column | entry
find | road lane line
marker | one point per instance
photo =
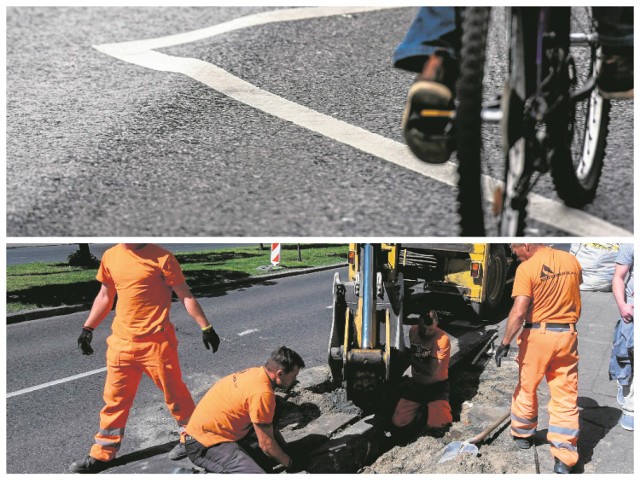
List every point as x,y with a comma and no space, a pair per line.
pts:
56,382
542,209
247,332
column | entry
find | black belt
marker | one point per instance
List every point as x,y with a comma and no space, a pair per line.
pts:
552,326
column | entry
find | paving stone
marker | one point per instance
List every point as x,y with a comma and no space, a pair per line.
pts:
324,426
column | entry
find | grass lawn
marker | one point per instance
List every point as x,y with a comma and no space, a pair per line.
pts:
38,285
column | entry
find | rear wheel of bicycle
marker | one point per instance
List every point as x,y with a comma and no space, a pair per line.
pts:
475,25
578,134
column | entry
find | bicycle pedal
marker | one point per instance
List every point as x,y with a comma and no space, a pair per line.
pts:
436,113
496,207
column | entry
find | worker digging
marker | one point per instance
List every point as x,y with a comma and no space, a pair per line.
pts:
422,375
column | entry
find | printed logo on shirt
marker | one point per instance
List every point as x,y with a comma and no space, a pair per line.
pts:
546,273
418,351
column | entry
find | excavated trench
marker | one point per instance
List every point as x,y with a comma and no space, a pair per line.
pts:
318,421
342,440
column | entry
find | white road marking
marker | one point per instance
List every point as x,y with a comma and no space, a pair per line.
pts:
247,332
545,210
55,382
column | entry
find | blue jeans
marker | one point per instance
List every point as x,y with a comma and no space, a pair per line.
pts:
439,28
434,28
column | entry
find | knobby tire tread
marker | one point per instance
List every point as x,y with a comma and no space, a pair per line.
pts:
475,26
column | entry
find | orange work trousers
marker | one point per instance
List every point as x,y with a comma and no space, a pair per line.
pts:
438,413
552,355
155,355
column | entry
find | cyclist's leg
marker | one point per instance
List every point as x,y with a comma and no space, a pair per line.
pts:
615,31
434,28
430,47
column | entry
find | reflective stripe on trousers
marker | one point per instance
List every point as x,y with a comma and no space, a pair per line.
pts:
554,356
127,361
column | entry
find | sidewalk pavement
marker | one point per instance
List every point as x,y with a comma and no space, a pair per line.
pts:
603,445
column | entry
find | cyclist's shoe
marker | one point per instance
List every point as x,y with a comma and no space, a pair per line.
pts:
615,80
89,465
427,122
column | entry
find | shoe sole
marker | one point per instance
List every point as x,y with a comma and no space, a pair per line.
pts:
616,95
422,95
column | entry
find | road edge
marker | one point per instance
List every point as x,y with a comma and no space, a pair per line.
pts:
38,313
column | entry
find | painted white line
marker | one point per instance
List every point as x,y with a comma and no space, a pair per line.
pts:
247,332
254,20
543,209
55,382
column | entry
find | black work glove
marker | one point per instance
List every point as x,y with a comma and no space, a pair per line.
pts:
501,352
210,337
298,464
84,340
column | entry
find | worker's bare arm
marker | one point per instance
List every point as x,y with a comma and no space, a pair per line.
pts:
102,305
191,304
269,444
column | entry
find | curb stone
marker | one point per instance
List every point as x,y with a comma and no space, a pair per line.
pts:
38,313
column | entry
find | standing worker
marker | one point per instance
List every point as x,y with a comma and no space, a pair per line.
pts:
428,387
546,293
233,409
143,341
621,367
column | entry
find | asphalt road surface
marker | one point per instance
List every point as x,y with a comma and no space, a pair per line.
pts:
280,128
51,427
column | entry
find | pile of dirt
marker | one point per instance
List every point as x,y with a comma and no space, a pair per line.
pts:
479,396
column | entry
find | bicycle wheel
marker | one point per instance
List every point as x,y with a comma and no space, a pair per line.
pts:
578,133
518,128
475,25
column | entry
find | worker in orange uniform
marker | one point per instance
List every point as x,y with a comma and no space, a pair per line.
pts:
143,342
546,293
428,385
233,409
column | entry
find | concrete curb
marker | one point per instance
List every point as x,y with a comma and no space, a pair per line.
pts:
26,315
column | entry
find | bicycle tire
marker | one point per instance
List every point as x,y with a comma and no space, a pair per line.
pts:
577,158
518,154
475,25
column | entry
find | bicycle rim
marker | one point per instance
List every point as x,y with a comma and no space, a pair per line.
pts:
578,137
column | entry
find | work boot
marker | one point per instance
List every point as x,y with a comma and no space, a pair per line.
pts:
626,422
561,467
427,121
178,452
615,80
89,465
523,442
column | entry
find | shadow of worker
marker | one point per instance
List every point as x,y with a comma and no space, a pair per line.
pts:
595,422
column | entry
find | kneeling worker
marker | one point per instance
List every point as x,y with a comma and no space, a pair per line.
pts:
429,383
235,406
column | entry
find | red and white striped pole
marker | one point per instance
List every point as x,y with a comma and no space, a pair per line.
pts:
275,254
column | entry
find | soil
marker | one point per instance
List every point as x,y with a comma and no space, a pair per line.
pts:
479,396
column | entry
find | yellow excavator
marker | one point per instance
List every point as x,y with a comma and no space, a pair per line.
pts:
389,285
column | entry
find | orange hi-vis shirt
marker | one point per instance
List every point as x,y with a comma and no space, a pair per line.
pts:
551,279
228,410
143,280
438,347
